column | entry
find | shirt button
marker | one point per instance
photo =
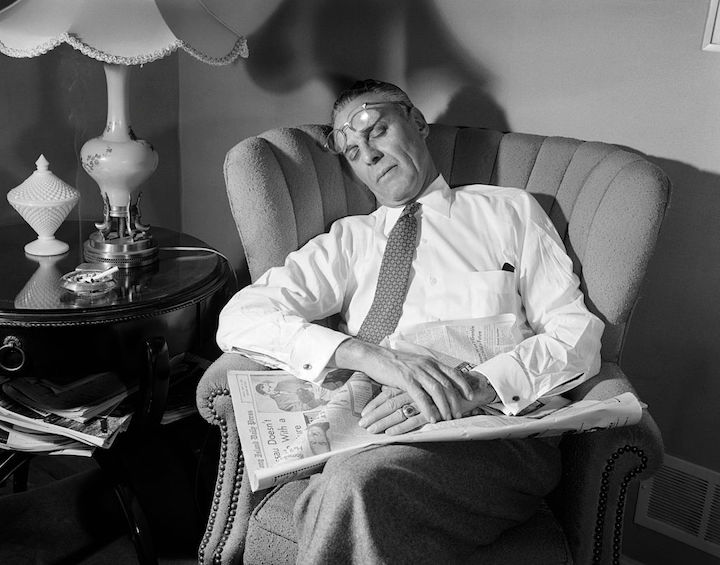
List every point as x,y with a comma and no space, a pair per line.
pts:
433,281
307,366
516,398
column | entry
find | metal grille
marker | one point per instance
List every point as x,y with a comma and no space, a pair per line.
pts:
682,501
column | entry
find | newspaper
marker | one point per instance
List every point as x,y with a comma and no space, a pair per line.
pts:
280,445
289,427
473,340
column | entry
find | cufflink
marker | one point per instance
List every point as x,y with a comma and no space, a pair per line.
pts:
307,366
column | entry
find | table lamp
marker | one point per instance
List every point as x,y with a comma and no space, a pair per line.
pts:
120,34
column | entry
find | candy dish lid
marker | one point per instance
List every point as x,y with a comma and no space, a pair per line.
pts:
42,187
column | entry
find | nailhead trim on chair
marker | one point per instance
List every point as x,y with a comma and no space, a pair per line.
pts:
602,502
222,424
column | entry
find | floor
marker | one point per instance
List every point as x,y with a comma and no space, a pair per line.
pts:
172,472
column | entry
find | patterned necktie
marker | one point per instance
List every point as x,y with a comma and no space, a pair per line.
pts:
393,279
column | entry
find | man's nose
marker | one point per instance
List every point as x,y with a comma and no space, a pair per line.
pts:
370,154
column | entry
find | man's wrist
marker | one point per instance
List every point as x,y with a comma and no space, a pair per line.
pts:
356,355
483,392
486,391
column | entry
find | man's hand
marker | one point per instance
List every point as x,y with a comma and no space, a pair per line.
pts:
437,390
384,412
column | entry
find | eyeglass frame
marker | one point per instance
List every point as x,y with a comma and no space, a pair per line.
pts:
364,106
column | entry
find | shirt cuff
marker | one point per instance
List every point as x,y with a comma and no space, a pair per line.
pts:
509,380
313,350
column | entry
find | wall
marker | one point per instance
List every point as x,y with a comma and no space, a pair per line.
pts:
629,72
54,103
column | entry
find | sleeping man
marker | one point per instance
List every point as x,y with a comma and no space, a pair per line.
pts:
427,254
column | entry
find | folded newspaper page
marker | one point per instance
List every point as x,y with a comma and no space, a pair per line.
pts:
289,427
473,340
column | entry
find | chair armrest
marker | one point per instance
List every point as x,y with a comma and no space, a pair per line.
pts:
224,538
598,467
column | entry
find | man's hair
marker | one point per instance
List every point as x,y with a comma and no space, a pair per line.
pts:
385,90
259,387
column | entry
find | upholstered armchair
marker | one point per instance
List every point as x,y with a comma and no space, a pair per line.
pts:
607,204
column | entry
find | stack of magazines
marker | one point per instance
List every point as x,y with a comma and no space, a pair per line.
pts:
39,415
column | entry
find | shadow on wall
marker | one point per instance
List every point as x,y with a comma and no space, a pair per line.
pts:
473,107
54,106
674,331
36,122
672,341
339,43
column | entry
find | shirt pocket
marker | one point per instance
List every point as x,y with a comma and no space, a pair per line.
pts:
479,294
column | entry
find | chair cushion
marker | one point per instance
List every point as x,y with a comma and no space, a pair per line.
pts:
271,535
271,538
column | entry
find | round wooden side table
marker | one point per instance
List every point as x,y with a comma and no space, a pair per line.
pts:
152,314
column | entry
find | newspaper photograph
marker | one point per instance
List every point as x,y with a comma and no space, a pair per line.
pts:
289,427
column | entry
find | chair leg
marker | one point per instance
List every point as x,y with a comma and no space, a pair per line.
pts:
135,517
133,513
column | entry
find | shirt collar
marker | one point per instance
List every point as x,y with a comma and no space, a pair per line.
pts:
437,197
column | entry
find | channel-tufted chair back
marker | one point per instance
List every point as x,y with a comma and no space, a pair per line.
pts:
606,203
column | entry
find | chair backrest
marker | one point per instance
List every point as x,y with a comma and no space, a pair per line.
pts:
606,203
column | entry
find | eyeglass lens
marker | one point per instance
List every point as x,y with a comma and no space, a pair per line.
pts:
361,120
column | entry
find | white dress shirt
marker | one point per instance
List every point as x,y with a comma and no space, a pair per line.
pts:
466,235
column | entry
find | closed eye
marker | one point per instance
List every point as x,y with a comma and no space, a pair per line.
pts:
378,130
352,152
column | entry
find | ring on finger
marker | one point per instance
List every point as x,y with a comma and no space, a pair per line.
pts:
409,410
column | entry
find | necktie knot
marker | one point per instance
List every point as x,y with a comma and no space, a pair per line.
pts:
410,209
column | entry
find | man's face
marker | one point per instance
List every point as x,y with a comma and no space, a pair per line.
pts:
268,388
391,158
318,440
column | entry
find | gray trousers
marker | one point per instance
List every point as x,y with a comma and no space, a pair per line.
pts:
421,503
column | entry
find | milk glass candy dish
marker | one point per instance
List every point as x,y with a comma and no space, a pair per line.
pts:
44,201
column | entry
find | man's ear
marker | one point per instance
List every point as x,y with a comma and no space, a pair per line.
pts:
417,118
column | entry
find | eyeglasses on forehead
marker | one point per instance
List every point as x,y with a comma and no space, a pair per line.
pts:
363,118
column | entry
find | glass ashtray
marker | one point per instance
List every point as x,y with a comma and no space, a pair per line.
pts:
89,281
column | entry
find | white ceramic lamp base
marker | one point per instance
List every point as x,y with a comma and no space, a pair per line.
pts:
119,163
45,246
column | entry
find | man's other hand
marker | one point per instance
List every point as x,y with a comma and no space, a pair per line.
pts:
437,390
384,413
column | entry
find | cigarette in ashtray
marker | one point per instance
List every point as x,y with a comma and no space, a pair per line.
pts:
93,277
